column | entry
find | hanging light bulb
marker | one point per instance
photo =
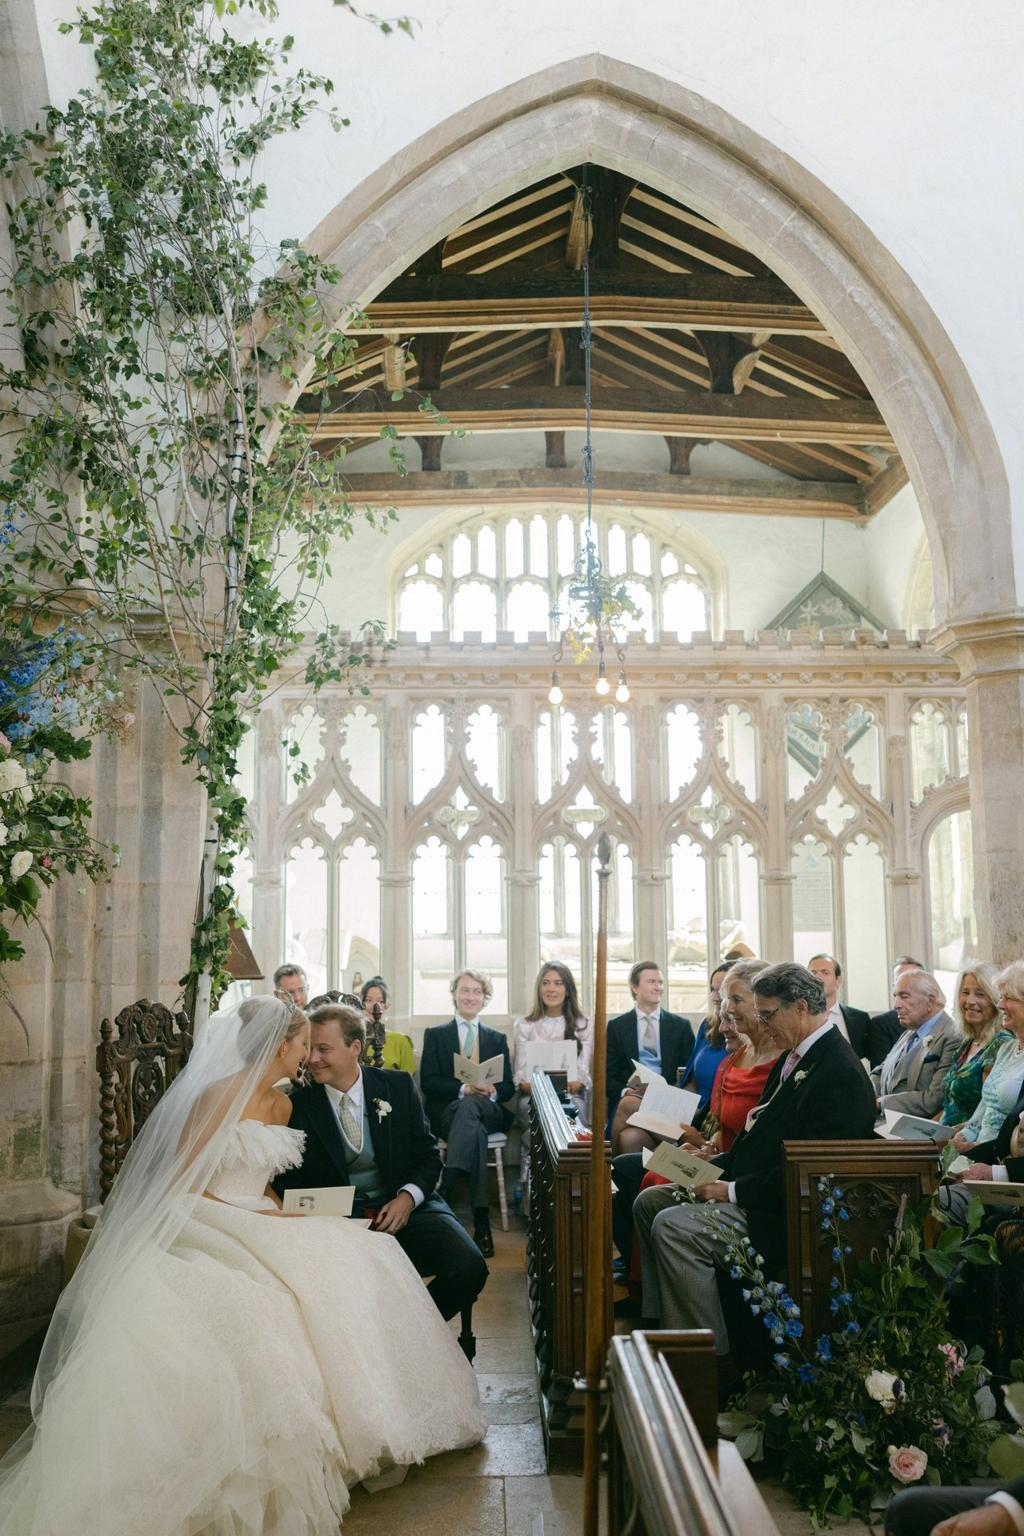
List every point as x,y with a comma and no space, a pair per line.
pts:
622,691
602,686
554,692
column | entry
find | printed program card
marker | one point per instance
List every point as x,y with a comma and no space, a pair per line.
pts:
663,1110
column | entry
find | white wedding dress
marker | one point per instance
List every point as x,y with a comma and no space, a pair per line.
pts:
259,1369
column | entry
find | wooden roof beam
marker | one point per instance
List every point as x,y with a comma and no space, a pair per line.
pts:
676,413
776,498
516,300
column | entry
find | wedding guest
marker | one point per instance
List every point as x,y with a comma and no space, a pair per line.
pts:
1002,1087
291,985
366,1127
753,1052
398,1051
460,1114
740,1080
649,1034
912,1075
957,1511
698,1075
555,1015
977,1013
889,1019
817,1090
872,1039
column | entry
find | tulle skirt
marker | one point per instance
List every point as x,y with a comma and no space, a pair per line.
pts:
240,1384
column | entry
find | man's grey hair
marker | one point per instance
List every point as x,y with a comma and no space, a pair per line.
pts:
289,969
925,982
791,983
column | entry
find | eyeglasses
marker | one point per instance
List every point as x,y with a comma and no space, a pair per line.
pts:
766,1018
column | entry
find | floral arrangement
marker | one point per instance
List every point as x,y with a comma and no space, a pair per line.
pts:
886,1399
55,696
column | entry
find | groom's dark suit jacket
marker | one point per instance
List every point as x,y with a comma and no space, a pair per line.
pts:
998,1151
405,1150
827,1097
440,1086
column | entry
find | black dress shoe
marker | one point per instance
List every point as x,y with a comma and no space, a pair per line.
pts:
484,1239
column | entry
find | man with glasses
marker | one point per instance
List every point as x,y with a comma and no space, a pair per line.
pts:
817,1090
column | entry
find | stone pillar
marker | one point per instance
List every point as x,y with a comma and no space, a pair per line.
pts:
777,875
396,867
523,880
267,937
650,902
990,654
908,923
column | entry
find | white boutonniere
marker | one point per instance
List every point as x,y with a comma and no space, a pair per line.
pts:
798,1077
382,1107
926,1042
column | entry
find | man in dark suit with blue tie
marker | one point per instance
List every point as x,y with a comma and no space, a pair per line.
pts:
461,1114
648,1033
365,1127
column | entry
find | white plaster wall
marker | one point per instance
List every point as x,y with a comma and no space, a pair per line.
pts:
910,113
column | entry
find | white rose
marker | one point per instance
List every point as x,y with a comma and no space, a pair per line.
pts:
21,864
880,1385
12,775
3,833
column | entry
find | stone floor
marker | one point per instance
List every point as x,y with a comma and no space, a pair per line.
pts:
500,1487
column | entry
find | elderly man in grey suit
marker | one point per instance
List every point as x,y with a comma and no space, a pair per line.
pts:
912,1076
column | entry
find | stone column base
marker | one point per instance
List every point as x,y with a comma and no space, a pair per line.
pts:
34,1219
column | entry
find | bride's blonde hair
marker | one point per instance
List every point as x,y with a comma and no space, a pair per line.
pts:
258,1009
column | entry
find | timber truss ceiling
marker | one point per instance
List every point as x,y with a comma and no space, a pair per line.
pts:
695,340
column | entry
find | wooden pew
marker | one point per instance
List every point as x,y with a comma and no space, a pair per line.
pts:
557,1240
876,1177
668,1473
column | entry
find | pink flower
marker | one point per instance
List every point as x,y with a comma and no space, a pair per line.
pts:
954,1359
46,861
907,1463
4,742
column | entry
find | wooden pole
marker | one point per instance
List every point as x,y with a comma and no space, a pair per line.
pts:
597,1235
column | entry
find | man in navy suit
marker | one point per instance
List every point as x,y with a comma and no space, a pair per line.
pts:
647,1033
365,1127
459,1114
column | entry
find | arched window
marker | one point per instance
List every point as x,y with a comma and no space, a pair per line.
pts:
508,573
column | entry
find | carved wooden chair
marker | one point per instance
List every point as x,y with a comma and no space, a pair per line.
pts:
138,1057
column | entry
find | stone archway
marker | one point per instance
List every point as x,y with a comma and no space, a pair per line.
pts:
598,109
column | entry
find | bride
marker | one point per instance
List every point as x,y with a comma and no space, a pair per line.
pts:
213,1367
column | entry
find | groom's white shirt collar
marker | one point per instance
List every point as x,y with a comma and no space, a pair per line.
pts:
356,1096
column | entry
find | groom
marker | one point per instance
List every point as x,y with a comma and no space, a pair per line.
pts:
365,1127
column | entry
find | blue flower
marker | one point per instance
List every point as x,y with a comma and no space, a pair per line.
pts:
807,1373
794,1328
834,1282
826,1224
853,1327
734,1273
837,1254
826,1207
844,1213
782,1361
837,1193
823,1348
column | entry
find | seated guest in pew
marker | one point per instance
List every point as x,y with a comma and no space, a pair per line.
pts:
388,1154
912,1076
889,1019
871,1038
817,1090
1001,1160
291,985
739,1084
649,1034
698,1075
398,1052
957,1511
976,1011
459,1114
555,1015
1002,1086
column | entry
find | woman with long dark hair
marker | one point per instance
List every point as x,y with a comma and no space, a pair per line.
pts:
555,1015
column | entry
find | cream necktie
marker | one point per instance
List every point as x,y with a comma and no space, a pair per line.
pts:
649,1039
469,1041
350,1125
